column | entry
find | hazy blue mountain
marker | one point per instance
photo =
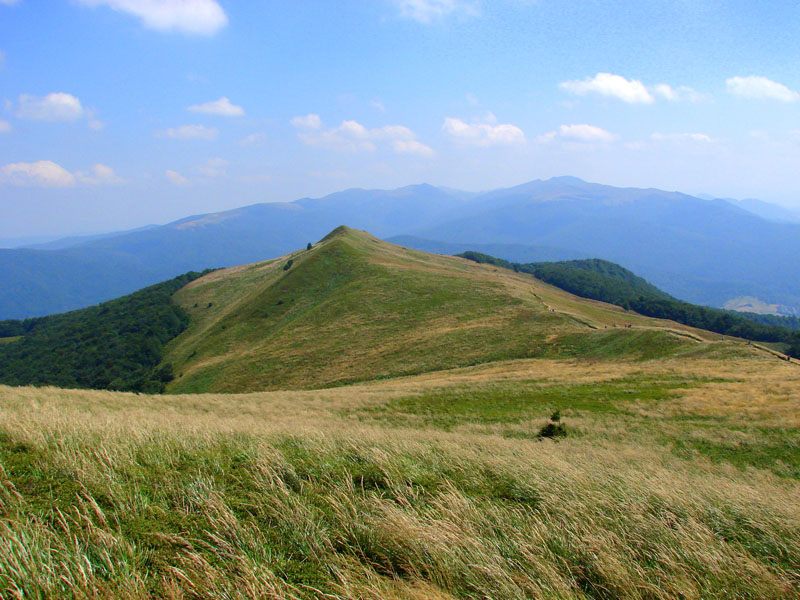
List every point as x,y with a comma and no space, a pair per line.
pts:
77,240
766,210
703,251
36,282
510,252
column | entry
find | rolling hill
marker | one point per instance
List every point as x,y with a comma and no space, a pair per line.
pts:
428,468
355,308
703,251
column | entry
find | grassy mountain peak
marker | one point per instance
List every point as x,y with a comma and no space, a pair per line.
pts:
354,308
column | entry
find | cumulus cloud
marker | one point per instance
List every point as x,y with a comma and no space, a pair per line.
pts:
680,137
191,132
43,173
221,107
204,17
352,136
46,173
57,106
608,84
100,175
176,178
427,11
760,88
578,133
5,126
631,91
483,134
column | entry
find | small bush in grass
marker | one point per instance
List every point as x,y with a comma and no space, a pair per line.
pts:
554,428
288,265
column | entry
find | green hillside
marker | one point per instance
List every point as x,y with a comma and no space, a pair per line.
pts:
608,282
351,308
354,308
115,345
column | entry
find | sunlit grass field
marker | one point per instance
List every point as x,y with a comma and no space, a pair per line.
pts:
677,479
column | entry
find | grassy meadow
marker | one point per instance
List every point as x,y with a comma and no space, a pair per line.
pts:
677,479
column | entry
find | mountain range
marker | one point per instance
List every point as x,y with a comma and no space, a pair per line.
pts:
703,251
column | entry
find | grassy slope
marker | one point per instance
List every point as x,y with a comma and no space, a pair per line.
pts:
355,308
679,479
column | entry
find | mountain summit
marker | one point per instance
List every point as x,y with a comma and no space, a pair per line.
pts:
355,308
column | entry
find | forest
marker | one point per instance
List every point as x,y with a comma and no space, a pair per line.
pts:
116,345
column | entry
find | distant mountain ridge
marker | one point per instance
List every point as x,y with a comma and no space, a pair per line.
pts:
706,252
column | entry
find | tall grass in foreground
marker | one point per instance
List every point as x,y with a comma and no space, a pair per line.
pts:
113,495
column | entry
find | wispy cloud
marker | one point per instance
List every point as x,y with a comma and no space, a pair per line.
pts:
428,11
681,137
352,136
253,139
578,133
48,174
203,17
213,167
631,91
100,175
488,133
221,107
190,132
176,178
5,127
760,88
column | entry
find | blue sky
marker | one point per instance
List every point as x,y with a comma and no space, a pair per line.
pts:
119,113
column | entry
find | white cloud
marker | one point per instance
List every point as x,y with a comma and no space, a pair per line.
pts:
8,2
252,140
352,136
578,133
43,173
5,126
427,11
191,132
760,88
310,121
101,175
204,17
413,147
176,178
483,134
681,137
2,59
678,94
221,107
631,91
57,106
213,167
608,84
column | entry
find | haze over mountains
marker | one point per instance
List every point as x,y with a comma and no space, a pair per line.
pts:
703,251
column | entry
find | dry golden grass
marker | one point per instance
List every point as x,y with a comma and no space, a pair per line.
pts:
336,494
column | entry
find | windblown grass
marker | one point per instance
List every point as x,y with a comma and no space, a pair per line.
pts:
423,487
